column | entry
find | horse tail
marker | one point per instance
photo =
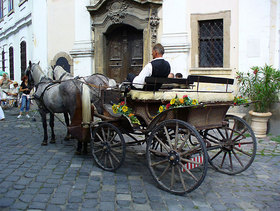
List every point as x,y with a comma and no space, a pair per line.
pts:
86,105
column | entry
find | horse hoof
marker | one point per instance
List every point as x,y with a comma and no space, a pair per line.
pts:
52,141
44,143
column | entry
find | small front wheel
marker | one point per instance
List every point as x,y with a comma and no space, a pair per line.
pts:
231,148
176,156
108,146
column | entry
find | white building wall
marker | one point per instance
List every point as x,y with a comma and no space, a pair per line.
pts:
254,28
174,36
16,27
82,51
39,33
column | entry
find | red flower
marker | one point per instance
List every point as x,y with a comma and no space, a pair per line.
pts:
185,96
256,71
122,103
168,105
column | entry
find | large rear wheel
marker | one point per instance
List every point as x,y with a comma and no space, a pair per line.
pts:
177,164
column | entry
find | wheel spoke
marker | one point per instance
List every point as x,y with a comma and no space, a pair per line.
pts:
181,178
96,151
216,155
183,143
237,158
159,162
111,162
115,157
172,177
225,153
234,124
230,160
240,134
188,171
164,146
164,172
168,137
158,152
211,140
240,150
221,134
113,137
103,134
100,138
176,136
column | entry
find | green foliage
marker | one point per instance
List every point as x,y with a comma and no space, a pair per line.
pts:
261,86
276,139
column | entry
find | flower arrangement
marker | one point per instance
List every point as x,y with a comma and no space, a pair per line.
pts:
261,86
178,102
240,100
122,108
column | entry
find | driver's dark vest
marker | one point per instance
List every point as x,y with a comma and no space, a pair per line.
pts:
160,69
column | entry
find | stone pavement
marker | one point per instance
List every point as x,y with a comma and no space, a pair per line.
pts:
35,177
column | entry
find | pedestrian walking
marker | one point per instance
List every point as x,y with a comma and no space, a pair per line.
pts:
25,97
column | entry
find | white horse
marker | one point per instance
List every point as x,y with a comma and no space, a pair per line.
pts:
63,97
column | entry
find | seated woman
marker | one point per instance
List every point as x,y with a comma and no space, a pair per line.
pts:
5,86
13,94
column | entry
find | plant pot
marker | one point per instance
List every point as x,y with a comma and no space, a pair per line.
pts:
259,123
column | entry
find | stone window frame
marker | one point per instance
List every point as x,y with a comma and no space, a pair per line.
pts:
195,69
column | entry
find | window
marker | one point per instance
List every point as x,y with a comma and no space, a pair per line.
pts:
210,37
11,61
10,5
23,57
1,9
3,60
211,43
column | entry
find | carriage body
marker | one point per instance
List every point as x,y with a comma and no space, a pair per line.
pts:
179,141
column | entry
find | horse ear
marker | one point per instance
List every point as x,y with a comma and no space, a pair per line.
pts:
38,62
30,63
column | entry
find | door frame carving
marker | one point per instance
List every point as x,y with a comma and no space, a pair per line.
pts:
105,13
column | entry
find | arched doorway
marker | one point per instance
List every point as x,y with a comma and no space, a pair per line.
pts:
63,62
124,51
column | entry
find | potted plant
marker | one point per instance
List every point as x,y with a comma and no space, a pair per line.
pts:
261,86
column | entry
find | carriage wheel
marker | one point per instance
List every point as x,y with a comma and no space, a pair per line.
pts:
176,165
232,148
108,146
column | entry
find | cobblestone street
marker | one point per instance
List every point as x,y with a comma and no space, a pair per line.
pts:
35,177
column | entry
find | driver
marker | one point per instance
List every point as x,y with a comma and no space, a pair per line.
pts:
158,67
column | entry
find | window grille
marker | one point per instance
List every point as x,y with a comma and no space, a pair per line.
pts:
23,57
211,43
11,61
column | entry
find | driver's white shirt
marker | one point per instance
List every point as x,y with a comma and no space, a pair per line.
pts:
139,81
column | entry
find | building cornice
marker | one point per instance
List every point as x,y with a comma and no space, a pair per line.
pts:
25,21
97,4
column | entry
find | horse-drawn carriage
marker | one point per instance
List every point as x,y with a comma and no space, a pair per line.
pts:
181,135
180,140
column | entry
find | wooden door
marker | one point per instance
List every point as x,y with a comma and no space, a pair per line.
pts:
124,52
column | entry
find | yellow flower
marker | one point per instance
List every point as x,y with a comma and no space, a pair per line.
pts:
181,100
160,109
124,108
115,109
172,101
194,102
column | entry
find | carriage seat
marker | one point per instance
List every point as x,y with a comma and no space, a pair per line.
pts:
202,97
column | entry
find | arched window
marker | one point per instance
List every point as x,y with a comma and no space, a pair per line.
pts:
63,62
3,60
23,57
11,61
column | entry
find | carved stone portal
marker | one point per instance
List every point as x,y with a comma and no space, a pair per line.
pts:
108,14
